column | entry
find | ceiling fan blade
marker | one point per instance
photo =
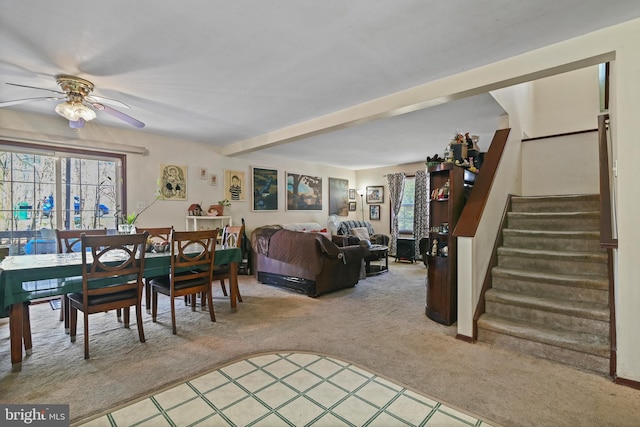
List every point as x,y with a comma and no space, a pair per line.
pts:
26,100
122,116
39,88
103,99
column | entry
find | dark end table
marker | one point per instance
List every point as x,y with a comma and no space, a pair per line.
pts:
379,253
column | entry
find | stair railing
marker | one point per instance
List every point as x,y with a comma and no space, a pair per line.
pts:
608,232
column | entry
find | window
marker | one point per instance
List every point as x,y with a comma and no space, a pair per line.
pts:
405,216
42,190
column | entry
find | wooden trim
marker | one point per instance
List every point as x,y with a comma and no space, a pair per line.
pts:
613,355
472,213
465,338
626,382
558,135
44,147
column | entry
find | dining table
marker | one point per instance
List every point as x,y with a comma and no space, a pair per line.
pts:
24,278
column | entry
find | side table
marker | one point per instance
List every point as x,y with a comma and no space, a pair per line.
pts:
380,254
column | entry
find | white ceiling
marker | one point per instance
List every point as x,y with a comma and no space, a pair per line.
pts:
219,72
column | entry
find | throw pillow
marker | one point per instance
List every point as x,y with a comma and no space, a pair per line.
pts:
360,232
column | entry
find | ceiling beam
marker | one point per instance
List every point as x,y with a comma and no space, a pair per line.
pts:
470,83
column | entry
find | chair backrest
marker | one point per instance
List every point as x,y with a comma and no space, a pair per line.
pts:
157,234
116,263
69,240
232,236
193,255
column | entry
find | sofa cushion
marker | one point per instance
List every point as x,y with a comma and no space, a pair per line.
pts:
360,232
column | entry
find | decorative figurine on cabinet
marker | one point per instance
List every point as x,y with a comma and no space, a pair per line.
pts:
434,247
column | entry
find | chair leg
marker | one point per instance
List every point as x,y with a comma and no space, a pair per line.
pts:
147,295
64,311
86,335
73,322
210,301
139,320
224,288
154,305
127,318
239,296
173,315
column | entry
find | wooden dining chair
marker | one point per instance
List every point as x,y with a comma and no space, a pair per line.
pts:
231,238
69,241
156,235
192,259
112,273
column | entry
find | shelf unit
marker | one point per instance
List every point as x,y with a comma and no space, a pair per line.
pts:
207,222
444,210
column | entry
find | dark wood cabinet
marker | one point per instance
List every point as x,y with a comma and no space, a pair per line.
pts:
447,200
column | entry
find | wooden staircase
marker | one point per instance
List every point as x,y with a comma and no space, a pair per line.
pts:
550,290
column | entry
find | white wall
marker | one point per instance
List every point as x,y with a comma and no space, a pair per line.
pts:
562,165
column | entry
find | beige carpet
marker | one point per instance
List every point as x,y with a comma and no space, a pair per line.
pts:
379,324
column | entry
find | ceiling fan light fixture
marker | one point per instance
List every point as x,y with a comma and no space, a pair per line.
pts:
73,111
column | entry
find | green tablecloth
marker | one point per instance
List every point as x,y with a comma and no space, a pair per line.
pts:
44,270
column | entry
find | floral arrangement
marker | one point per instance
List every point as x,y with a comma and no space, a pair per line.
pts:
225,202
131,218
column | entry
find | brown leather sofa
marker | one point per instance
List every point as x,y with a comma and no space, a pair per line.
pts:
305,262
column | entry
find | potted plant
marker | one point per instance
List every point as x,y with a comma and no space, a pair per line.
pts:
218,210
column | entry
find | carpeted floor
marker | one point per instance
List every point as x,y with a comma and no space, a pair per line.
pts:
379,324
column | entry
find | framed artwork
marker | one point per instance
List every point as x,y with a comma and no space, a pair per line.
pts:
173,182
352,206
374,212
265,189
304,192
234,186
213,179
375,194
338,192
352,194
203,173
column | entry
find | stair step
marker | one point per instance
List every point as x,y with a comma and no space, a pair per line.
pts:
585,263
560,221
562,286
577,316
581,202
583,342
575,280
581,350
588,241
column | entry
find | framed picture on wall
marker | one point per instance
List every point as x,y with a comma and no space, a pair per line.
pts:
375,194
352,206
173,182
234,186
265,189
338,192
374,212
304,192
352,194
213,179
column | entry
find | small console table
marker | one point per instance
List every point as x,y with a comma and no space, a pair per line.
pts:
195,223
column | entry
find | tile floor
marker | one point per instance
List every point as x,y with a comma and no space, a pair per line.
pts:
288,389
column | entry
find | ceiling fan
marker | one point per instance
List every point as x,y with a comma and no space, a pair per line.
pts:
79,104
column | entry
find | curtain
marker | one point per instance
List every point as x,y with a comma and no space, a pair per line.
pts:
421,209
396,190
